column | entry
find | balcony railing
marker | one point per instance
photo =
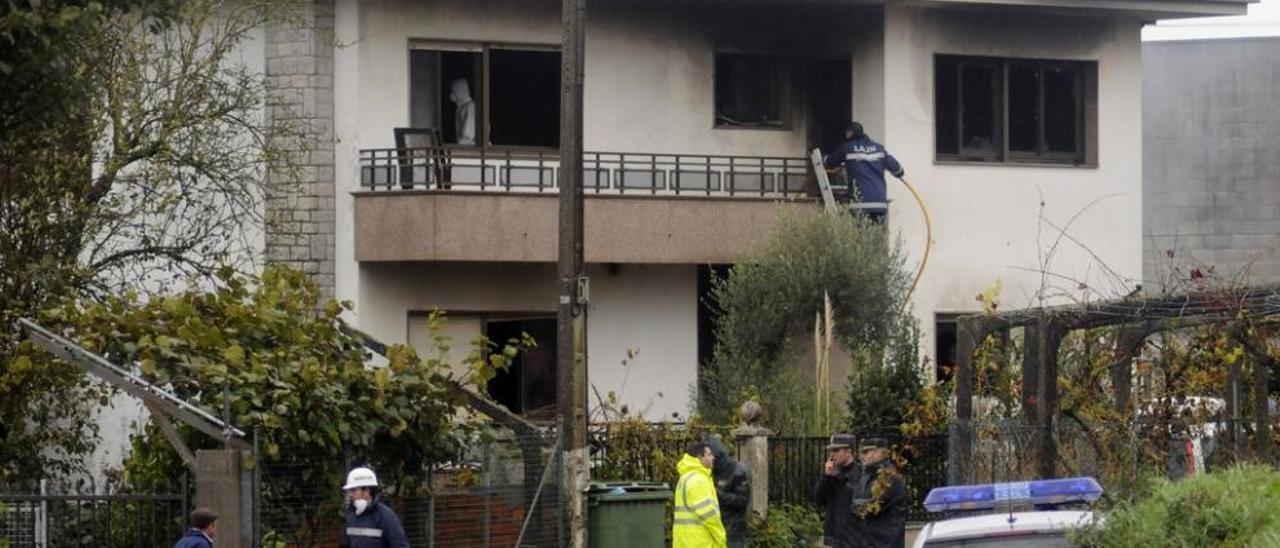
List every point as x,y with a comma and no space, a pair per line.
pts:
533,171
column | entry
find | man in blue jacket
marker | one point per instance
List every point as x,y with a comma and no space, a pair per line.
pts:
865,162
204,526
370,522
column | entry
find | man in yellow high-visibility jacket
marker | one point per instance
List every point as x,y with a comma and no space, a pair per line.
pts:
697,511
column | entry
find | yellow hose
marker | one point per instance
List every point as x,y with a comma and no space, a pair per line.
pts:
928,240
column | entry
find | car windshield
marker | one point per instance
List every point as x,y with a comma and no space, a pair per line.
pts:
1033,540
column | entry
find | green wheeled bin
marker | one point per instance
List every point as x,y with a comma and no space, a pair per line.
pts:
627,513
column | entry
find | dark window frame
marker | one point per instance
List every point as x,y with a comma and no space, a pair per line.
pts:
485,318
482,93
1085,115
782,91
940,319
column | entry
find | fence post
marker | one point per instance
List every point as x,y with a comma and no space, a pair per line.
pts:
221,486
753,451
431,506
486,468
42,525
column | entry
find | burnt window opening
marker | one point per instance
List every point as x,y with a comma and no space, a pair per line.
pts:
528,386
751,91
514,94
525,97
432,77
995,110
944,346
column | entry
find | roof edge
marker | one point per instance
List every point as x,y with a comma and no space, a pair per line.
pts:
1148,9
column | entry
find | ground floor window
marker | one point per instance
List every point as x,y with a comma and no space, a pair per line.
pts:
944,346
529,386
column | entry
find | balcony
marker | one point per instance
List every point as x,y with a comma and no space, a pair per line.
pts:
620,173
477,204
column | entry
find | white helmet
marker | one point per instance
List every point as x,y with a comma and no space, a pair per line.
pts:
360,477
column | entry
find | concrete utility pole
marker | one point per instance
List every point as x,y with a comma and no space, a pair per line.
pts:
571,325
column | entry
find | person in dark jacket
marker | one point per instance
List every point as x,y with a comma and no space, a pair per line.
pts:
733,489
204,526
880,501
834,492
370,522
865,162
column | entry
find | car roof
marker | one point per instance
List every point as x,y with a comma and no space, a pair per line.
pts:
977,526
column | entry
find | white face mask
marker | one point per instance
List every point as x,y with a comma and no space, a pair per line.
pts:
361,505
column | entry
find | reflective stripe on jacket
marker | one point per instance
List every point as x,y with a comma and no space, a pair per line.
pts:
697,511
865,162
377,527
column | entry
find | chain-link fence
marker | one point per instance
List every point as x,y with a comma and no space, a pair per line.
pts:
1120,455
52,514
647,452
500,492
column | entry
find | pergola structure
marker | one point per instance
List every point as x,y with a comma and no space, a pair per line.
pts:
1134,319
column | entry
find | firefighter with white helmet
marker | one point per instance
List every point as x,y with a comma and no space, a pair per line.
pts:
370,522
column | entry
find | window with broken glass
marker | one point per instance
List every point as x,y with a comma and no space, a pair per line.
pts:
1012,110
751,91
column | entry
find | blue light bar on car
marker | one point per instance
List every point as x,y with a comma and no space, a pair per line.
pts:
992,495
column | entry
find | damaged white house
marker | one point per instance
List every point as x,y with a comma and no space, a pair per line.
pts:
1015,119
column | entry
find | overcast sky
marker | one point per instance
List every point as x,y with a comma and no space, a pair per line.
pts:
1263,20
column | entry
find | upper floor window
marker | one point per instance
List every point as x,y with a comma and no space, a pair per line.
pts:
478,94
751,91
1014,110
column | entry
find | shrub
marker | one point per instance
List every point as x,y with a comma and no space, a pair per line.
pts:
766,308
786,527
1232,508
632,449
884,383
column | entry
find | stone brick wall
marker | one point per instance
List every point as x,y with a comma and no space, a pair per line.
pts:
299,73
1211,155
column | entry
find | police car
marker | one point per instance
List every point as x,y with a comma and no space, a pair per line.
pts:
1004,528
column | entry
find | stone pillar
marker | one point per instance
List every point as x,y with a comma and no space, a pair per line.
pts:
301,202
220,486
753,452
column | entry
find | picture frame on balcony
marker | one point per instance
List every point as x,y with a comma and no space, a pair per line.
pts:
422,158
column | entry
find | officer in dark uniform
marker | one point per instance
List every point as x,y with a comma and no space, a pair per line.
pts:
733,489
835,489
880,501
865,162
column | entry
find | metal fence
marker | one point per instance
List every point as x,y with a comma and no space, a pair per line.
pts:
501,492
796,462
535,170
53,515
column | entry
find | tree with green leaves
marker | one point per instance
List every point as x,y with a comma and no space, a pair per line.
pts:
134,154
281,363
766,308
